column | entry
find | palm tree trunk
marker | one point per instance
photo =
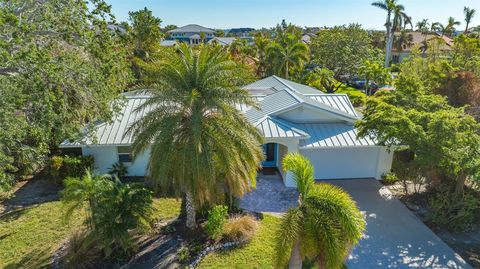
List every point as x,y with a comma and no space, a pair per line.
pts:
466,28
388,54
295,261
190,211
286,70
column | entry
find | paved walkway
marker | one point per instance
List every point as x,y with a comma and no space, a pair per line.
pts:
395,237
270,196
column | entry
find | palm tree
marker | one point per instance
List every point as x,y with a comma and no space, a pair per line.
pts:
261,43
322,229
286,54
201,145
325,225
422,26
395,18
469,14
449,29
403,40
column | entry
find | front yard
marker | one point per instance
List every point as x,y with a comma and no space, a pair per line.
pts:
30,236
258,253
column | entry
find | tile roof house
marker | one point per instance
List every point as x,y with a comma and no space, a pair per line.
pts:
192,34
291,117
417,40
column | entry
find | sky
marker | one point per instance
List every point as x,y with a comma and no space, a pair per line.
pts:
225,14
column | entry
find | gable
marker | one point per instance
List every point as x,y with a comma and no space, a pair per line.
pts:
305,113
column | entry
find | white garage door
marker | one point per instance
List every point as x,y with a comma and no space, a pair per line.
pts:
339,163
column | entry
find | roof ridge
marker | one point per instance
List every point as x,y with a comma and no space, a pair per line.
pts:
282,123
285,84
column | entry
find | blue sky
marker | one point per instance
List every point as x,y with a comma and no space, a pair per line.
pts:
267,13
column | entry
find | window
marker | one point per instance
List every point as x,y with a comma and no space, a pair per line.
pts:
124,154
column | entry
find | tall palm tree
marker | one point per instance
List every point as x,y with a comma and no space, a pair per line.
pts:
395,20
403,41
287,53
200,144
325,225
449,28
469,14
261,43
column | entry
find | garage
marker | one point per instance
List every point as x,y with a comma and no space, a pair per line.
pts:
345,162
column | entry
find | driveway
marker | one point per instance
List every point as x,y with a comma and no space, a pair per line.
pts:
395,237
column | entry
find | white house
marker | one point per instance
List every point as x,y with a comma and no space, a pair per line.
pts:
292,118
193,34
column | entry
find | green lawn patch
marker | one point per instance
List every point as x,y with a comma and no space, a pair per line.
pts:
259,253
29,237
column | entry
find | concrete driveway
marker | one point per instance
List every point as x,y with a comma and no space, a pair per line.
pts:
395,237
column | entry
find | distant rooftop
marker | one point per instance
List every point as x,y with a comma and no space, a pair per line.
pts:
192,28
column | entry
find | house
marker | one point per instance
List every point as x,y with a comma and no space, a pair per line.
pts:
292,118
168,43
418,40
192,34
222,41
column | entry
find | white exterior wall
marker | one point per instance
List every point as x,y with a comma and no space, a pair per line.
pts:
349,162
106,156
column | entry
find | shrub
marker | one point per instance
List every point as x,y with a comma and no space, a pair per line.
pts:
118,169
114,208
452,211
217,217
389,178
61,167
82,251
240,228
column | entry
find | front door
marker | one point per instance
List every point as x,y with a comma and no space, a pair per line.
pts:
270,151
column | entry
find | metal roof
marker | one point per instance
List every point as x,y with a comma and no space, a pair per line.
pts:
271,127
332,135
338,101
224,41
271,104
276,83
192,28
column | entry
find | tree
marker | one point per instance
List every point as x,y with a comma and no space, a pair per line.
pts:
261,43
449,28
469,14
145,35
67,68
286,54
114,208
415,117
342,49
201,145
325,225
374,72
395,18
323,79
403,40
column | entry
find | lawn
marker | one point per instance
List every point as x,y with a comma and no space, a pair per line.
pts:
29,237
259,253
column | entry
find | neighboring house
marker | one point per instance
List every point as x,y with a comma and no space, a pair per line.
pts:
292,118
223,41
168,43
192,34
420,41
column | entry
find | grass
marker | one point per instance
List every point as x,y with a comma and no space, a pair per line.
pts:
29,237
259,253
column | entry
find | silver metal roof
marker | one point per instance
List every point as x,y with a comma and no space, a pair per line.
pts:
271,127
332,135
224,41
278,84
192,28
265,119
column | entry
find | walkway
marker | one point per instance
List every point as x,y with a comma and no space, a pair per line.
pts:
270,196
395,237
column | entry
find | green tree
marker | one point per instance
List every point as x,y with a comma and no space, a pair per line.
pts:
325,225
261,43
342,49
323,79
114,208
449,28
66,66
395,18
201,145
145,34
287,54
469,14
374,72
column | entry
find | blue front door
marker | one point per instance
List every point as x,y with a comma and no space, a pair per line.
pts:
270,151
